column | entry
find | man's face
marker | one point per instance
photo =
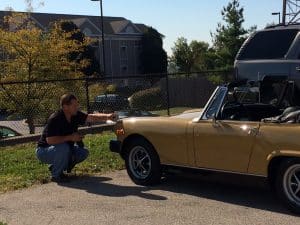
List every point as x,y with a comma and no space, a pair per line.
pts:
72,108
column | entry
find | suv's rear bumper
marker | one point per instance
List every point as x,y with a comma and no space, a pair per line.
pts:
115,146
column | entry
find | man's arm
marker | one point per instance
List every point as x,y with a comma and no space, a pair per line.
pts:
62,139
100,117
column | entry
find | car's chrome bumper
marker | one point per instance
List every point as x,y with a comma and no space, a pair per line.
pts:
115,146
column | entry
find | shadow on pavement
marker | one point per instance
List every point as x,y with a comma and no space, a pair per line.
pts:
99,186
249,192
234,189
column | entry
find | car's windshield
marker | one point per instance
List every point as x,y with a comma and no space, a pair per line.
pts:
215,103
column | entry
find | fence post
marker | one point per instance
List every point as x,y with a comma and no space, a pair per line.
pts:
87,94
168,94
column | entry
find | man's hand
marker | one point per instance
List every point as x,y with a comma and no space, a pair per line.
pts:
75,137
101,117
112,116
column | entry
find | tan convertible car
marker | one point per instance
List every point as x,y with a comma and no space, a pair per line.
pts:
245,128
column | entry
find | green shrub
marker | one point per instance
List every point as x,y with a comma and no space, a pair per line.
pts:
149,99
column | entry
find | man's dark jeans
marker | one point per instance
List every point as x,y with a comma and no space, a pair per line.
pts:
60,156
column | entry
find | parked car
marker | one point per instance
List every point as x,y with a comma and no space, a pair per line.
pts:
273,51
109,102
7,132
238,131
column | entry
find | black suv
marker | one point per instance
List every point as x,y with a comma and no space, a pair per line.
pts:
273,51
109,102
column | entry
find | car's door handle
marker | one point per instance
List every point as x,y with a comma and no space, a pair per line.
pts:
298,68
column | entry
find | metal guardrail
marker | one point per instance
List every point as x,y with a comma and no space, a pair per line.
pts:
35,137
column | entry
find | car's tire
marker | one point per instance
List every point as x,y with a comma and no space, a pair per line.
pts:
142,162
288,184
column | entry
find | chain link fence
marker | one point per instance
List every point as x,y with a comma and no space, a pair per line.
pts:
26,106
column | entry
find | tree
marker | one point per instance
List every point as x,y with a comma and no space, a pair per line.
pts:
30,7
154,58
230,36
88,51
188,57
32,55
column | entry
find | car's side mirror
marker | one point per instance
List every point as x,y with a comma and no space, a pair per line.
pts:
215,121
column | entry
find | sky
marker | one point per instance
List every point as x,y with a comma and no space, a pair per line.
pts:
192,19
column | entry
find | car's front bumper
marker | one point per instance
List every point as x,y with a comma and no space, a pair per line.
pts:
115,146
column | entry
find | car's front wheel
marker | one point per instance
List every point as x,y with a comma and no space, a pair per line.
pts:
288,184
142,163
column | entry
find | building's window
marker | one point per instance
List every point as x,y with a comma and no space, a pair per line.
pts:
123,43
138,48
87,32
123,52
124,69
270,44
129,30
139,82
95,42
125,83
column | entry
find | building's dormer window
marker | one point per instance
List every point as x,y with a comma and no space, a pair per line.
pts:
87,32
130,30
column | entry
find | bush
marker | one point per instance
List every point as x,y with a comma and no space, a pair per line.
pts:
149,99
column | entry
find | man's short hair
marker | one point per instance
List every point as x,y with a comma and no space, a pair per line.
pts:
66,99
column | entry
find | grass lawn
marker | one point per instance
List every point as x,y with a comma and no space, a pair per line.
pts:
19,167
173,111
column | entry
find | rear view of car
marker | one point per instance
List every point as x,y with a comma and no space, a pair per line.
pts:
274,51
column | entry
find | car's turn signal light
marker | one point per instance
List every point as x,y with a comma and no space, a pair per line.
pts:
120,131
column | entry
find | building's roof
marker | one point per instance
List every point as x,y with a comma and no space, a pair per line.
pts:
111,25
141,27
117,26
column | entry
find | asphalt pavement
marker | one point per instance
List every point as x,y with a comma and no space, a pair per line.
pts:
113,199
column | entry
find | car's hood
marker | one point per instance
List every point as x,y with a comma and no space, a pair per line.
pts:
187,116
190,114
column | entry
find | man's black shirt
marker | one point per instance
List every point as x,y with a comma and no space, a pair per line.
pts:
58,125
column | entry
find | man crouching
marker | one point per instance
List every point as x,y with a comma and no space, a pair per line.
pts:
60,144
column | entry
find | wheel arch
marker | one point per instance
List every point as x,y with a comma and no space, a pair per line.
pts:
274,165
129,139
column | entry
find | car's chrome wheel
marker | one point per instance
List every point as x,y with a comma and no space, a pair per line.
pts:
288,183
140,162
291,183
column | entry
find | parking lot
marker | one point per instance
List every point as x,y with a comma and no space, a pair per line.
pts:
113,199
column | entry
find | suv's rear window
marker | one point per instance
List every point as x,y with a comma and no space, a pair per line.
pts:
272,44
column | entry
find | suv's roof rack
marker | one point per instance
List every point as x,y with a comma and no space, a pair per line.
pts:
280,25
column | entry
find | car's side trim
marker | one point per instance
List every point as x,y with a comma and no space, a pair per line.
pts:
283,153
213,170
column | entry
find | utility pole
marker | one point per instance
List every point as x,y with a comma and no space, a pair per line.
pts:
290,12
284,12
102,35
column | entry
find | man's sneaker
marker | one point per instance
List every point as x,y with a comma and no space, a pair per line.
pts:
70,167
